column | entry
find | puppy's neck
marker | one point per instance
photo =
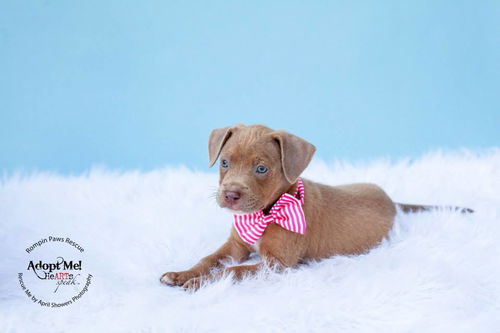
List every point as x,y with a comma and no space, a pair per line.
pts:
291,190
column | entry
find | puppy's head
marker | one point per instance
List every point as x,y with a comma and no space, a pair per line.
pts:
256,165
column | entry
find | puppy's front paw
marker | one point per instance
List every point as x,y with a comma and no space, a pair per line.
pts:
176,278
193,284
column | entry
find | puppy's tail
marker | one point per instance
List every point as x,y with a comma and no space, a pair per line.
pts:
407,208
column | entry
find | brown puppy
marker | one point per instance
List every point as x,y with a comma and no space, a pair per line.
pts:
347,219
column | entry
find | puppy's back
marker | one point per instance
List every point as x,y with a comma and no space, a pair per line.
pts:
347,219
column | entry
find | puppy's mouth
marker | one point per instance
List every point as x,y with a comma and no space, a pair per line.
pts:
239,208
239,212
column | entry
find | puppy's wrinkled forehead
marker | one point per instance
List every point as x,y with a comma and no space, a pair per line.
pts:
251,144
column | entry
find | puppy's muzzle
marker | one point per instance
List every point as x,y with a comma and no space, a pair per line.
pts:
233,195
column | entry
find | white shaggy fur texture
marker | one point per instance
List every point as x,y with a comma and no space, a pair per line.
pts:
438,272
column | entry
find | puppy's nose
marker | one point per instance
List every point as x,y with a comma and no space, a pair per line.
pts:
232,196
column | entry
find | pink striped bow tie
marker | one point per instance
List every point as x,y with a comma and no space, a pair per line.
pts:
286,212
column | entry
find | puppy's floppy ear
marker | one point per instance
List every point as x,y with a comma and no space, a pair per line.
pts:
216,141
296,153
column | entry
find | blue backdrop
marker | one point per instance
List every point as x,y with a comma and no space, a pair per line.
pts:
132,84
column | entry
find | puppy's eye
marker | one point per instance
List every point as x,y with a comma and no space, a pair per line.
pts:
224,164
261,169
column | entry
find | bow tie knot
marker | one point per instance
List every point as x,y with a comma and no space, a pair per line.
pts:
287,212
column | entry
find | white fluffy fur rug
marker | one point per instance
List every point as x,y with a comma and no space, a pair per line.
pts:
438,272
